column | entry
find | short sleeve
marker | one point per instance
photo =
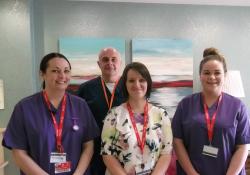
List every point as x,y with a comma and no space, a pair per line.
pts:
15,136
176,122
109,134
167,134
243,127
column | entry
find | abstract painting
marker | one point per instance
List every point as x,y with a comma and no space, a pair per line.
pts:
170,63
83,56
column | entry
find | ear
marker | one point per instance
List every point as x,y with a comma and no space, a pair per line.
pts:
41,74
98,62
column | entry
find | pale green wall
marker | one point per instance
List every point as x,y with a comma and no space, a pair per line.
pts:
31,28
16,68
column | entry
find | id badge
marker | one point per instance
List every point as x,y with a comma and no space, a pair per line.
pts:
209,150
143,169
62,167
57,157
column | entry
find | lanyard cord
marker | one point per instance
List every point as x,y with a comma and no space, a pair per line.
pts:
109,103
58,128
141,142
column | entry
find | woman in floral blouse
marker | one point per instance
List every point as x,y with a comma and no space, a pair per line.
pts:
136,136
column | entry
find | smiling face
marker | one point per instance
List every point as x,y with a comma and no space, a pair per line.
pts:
136,85
109,63
57,74
212,76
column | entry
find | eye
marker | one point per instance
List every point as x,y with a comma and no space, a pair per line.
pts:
206,73
55,71
131,80
105,59
114,60
142,80
66,71
217,73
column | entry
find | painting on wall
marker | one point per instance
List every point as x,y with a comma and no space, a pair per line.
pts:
83,56
170,63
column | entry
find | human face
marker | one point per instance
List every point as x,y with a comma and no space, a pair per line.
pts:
212,77
110,63
57,74
136,85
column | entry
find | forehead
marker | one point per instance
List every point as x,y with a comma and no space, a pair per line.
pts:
58,62
212,65
109,53
133,73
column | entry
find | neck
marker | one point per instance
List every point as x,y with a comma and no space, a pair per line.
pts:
55,97
210,98
137,105
110,79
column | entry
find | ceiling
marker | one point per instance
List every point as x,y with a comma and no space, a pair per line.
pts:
195,2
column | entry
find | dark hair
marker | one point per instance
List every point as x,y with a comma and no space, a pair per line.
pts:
141,69
212,54
47,58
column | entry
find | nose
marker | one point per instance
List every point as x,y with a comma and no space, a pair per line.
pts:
212,76
61,74
137,84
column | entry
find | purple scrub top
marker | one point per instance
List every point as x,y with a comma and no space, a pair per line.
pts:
31,128
232,127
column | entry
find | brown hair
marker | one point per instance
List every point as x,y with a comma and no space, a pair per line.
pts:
141,69
212,54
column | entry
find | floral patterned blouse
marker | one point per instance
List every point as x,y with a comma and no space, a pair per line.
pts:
119,139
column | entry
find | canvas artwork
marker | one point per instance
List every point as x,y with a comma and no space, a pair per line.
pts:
170,63
83,56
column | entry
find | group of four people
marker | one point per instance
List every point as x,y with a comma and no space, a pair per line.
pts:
54,132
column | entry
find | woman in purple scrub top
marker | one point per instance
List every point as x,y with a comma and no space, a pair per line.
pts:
52,132
211,129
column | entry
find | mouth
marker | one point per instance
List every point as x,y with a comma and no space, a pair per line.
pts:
61,82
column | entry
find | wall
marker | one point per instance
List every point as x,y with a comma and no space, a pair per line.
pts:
16,68
227,28
29,29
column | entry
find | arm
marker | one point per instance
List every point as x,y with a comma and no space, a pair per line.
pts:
238,160
183,157
113,165
162,165
26,164
88,150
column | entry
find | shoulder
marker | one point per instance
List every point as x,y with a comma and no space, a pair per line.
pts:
158,112
233,104
156,109
32,99
191,99
118,112
229,99
91,82
76,99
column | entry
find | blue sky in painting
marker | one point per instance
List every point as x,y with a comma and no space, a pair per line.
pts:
77,47
162,47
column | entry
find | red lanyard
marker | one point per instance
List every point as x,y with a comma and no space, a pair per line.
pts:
112,95
210,122
141,142
58,129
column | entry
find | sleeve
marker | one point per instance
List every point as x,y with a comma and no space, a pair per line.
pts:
91,129
109,134
243,127
176,122
15,136
167,134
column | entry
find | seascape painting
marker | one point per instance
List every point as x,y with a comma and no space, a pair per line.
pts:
170,63
83,56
